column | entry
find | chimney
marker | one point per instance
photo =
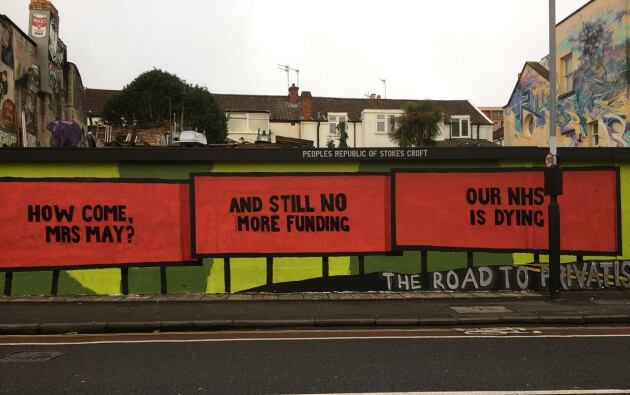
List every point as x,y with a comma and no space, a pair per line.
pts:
307,105
293,94
43,5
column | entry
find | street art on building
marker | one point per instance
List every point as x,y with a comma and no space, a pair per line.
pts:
596,111
56,53
39,25
7,139
526,115
262,271
592,69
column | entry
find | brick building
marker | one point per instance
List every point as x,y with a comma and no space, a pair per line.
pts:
37,83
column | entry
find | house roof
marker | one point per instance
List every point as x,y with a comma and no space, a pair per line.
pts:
95,100
280,110
539,68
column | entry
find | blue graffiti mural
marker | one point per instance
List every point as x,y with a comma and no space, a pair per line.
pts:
600,82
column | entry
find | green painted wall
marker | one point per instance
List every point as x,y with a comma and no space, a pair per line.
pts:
248,273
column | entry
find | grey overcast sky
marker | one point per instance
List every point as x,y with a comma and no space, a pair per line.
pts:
439,49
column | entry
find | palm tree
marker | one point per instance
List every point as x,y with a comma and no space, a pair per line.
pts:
418,125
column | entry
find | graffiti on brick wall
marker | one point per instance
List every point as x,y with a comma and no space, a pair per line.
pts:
599,103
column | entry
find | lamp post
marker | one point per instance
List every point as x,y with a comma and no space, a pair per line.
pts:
553,171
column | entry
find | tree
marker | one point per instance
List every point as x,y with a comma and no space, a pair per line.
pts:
154,95
343,134
418,125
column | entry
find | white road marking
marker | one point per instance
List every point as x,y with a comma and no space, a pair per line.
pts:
541,392
336,338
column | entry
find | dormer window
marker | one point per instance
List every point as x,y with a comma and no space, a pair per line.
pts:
248,122
334,119
460,126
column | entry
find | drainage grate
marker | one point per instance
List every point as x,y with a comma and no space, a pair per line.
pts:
480,309
41,356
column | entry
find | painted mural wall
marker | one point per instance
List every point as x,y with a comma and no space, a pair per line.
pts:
592,69
596,39
412,270
526,114
19,83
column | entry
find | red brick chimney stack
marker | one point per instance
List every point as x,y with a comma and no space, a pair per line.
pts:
293,94
43,5
307,105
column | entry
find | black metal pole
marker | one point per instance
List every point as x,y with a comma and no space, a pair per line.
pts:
361,265
124,280
8,283
469,260
424,269
227,276
554,247
54,286
325,268
163,280
269,270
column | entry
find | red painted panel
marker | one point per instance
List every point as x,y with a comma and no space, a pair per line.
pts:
289,214
99,222
505,210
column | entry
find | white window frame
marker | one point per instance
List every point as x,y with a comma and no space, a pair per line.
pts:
459,119
334,119
249,116
388,120
567,72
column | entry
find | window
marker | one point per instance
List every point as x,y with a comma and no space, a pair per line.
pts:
334,120
241,122
385,123
460,126
594,129
528,125
567,73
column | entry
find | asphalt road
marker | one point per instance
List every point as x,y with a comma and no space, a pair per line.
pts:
331,361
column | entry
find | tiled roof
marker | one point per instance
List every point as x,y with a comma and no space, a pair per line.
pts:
279,108
95,100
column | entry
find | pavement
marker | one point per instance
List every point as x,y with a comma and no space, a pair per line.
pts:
175,313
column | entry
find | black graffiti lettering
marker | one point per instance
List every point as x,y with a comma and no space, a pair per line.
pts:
104,234
483,196
252,204
101,212
317,223
258,224
519,217
63,234
526,196
273,204
477,217
332,202
297,204
47,213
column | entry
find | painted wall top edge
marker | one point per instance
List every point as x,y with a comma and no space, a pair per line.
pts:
183,155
